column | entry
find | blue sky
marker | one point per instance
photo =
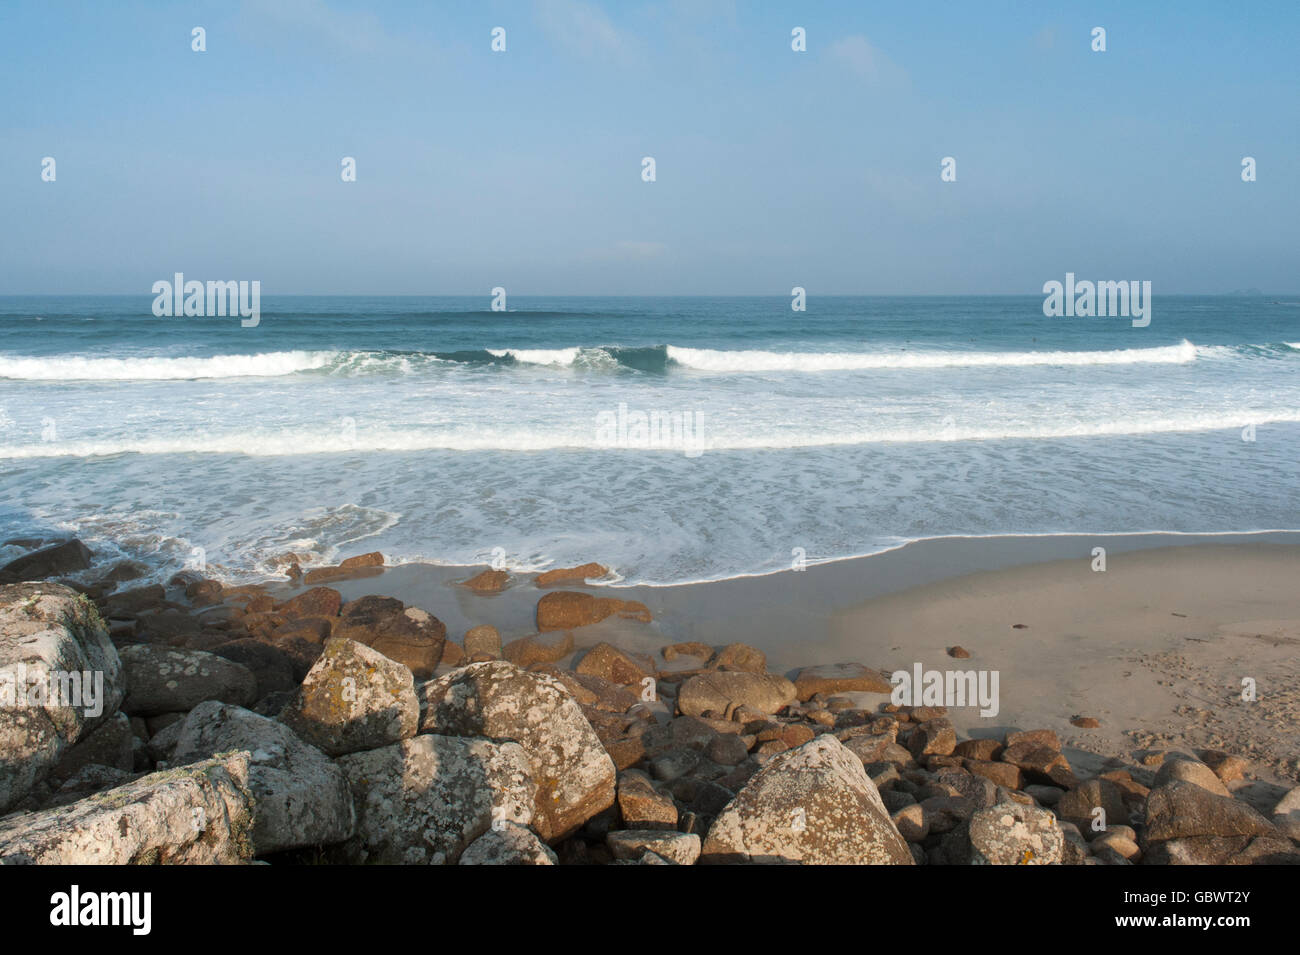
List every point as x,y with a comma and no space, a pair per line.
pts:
523,168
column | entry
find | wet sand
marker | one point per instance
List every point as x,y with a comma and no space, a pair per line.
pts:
1155,647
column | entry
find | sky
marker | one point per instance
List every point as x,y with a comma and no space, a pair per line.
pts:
523,168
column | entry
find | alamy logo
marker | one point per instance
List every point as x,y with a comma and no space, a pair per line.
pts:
215,300
39,688
133,909
950,688
658,430
1101,299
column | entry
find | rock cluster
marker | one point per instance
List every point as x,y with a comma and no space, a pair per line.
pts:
232,726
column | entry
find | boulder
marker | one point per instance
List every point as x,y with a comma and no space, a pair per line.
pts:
168,680
1014,834
408,635
301,797
569,609
354,698
574,775
739,656
618,666
571,575
316,602
508,843
1191,771
538,648
66,557
723,691
484,639
488,582
60,678
1079,805
641,805
111,743
814,805
1286,814
200,814
425,800
1179,809
679,848
831,678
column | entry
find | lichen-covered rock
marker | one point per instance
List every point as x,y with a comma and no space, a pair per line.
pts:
574,774
354,698
302,798
1011,833
508,843
814,805
680,848
50,640
723,691
409,635
425,800
170,680
200,814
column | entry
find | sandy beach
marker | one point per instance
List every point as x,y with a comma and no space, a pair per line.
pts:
1155,647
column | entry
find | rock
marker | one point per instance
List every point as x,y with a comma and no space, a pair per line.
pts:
1286,814
1014,834
933,737
111,743
1191,771
372,559
1037,737
959,653
1002,774
66,557
1123,844
569,609
538,648
483,639
1085,722
1045,795
678,848
407,635
1227,767
574,775
1179,809
488,582
978,749
271,664
1041,764
50,639
832,678
301,797
317,602
641,805
912,822
1079,805
198,815
815,805
508,843
1222,850
166,680
571,575
610,663
425,800
354,698
723,691
739,656
727,749
701,651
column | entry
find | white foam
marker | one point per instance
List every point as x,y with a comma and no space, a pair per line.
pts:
537,356
306,441
77,368
703,359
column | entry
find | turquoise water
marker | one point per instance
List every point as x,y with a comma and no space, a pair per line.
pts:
437,429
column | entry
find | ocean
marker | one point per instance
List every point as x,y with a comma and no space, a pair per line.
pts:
673,439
